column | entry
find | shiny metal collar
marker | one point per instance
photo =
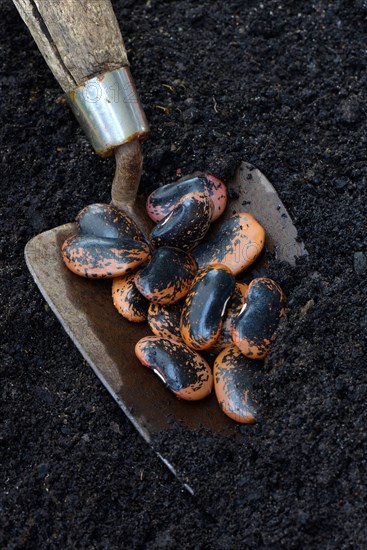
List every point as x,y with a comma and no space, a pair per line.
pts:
109,110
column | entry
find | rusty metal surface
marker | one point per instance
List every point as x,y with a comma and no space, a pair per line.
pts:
106,340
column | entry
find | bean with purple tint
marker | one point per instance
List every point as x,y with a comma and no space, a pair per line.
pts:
164,199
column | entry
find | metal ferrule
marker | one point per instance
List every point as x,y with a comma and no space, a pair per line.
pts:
108,109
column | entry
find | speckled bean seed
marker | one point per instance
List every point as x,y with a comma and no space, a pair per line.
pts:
234,377
186,224
164,199
98,257
182,370
235,305
254,327
237,244
104,220
165,320
205,305
168,276
127,299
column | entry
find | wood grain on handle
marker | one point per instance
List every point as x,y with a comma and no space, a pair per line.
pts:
78,38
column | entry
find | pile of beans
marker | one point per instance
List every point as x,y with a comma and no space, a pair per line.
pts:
185,287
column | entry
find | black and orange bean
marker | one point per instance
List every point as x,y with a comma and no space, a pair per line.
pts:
127,299
234,378
235,305
218,314
168,276
165,320
182,370
237,244
205,306
104,220
254,328
98,257
186,224
164,199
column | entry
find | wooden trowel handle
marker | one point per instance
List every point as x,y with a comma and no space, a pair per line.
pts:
78,38
82,44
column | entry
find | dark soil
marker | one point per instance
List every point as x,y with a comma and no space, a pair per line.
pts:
279,84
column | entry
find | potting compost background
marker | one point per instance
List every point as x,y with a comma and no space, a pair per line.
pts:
281,85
